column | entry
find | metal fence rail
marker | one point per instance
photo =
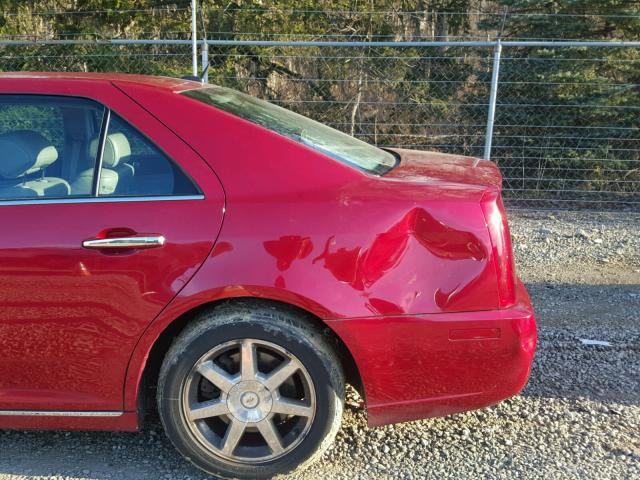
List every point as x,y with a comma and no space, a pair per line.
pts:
559,118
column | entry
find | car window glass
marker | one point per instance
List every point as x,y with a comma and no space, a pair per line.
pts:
299,128
45,146
133,166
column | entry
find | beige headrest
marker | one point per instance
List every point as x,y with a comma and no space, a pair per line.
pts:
116,147
23,152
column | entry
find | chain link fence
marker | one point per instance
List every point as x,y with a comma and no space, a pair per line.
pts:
565,132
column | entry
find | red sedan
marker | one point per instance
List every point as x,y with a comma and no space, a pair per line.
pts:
186,247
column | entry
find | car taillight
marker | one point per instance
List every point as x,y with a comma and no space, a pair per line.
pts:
496,220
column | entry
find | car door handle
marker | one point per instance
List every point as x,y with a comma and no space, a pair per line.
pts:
124,243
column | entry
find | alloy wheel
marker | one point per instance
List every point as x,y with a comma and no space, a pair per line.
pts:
249,401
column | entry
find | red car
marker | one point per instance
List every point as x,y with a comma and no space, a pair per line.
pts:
186,247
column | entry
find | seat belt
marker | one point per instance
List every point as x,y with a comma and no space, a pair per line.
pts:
75,122
71,165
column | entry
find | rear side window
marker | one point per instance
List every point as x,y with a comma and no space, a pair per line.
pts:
51,147
133,166
329,141
45,146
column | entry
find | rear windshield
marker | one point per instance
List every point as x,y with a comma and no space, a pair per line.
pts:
327,140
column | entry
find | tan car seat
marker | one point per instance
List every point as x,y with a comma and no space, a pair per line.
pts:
116,173
24,152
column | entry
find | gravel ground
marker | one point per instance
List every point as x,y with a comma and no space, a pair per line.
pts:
579,416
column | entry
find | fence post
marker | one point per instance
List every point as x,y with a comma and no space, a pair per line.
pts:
194,39
205,61
497,52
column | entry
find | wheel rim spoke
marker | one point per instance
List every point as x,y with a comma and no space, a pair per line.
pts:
232,436
271,435
287,406
216,375
248,361
276,378
212,408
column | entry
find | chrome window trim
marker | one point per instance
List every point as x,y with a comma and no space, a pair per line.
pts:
97,168
54,201
57,413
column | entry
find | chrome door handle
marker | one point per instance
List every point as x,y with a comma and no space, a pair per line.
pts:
123,243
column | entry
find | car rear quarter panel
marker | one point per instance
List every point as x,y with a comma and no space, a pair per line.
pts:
345,243
304,229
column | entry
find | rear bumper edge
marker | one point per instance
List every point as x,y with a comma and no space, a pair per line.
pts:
421,366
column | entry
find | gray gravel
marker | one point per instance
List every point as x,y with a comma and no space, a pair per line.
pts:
579,416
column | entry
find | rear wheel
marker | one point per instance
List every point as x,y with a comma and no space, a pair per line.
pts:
250,392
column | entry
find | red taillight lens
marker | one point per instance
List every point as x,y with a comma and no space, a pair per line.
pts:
496,220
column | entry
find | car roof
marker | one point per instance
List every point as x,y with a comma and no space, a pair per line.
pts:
161,83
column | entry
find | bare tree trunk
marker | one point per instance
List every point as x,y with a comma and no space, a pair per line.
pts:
356,103
361,75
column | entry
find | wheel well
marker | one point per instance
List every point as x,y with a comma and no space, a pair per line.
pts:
147,393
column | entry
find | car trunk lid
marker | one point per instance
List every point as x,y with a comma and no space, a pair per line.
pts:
421,166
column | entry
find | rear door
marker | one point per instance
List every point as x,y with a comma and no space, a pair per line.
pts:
87,261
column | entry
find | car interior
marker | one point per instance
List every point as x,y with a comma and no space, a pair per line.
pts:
26,154
49,147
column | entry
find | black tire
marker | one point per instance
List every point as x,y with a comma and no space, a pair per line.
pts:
278,326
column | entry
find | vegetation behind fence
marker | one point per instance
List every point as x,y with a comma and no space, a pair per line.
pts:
566,132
